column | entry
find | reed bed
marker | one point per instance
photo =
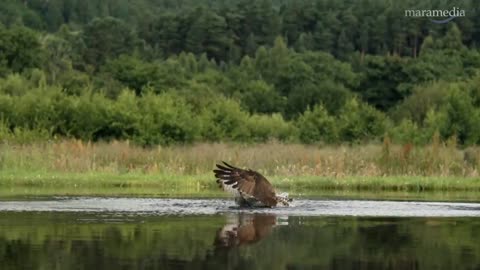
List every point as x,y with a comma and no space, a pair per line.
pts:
439,159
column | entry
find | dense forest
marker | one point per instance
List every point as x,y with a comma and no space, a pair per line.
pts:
182,71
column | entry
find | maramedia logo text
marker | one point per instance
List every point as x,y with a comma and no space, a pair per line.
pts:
434,14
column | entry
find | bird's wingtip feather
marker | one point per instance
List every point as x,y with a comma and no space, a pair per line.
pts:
228,165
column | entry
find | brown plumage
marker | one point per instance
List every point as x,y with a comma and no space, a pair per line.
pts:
245,230
250,187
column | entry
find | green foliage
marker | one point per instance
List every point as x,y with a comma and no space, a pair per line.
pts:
424,98
15,13
107,38
162,72
35,110
407,132
309,94
267,127
133,72
14,85
58,52
19,50
463,119
260,97
380,81
453,39
358,121
165,119
434,123
224,120
208,34
6,111
317,125
90,116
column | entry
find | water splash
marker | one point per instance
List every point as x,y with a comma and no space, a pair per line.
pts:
155,206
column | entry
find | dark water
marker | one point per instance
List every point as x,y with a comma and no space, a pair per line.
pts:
95,233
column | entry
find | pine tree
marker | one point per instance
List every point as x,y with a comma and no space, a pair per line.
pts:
323,38
344,46
304,42
251,45
453,39
107,38
53,15
363,39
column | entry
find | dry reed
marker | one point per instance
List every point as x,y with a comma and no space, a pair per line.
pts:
119,157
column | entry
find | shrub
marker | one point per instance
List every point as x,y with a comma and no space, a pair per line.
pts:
407,132
224,120
90,116
266,127
260,97
359,121
463,119
165,119
317,126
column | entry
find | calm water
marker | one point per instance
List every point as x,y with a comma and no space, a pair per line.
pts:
102,233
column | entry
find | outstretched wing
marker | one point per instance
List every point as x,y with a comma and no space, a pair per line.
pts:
247,182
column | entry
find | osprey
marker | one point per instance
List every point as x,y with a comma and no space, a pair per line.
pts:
249,187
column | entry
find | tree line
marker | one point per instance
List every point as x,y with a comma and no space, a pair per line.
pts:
249,70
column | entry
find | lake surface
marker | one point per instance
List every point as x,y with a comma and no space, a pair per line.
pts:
142,233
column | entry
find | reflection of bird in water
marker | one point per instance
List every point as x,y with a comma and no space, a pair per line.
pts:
249,187
244,229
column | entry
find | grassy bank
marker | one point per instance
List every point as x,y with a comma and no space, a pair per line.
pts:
158,185
87,167
206,182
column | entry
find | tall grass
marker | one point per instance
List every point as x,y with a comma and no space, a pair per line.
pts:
442,159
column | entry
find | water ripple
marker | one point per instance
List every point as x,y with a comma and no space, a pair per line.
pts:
157,206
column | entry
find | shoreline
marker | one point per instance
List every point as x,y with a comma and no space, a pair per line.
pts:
203,185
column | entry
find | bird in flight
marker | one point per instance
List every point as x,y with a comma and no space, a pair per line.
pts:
250,188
